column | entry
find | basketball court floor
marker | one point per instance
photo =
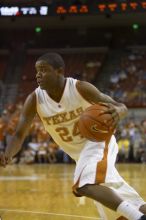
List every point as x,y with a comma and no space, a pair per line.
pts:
43,192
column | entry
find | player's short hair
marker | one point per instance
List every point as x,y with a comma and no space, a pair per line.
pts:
53,59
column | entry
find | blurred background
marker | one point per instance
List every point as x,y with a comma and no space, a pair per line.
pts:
101,41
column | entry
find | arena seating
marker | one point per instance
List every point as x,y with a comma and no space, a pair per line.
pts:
128,81
3,64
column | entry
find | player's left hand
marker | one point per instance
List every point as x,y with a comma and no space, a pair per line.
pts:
113,111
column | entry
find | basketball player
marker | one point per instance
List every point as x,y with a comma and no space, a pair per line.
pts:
59,101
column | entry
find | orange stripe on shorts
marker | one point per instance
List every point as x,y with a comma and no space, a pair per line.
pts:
102,166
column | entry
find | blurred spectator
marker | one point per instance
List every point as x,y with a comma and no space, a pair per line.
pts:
123,144
2,133
27,157
52,149
42,152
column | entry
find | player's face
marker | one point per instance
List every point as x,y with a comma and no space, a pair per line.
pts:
47,76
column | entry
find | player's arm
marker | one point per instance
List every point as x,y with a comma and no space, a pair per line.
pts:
25,120
93,95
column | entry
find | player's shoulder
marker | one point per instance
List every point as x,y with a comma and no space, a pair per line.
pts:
85,86
31,98
29,107
32,95
80,84
88,91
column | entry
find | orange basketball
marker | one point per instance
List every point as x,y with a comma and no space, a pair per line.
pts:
92,123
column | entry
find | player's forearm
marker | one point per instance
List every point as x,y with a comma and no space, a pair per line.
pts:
14,146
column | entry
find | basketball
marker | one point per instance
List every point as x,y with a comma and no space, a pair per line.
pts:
92,123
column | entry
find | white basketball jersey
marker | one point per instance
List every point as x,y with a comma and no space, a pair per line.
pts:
60,119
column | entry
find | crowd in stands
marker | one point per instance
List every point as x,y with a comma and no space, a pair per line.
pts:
39,147
131,136
128,82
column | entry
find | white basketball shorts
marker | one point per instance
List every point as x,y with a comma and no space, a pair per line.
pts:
96,165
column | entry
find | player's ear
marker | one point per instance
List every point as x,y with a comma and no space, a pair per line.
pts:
60,71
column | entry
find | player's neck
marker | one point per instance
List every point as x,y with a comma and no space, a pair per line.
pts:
57,92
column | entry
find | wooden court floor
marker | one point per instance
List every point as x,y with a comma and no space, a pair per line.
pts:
43,192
